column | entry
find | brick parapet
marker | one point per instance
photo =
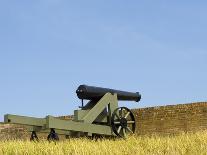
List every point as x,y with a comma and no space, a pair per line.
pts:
172,118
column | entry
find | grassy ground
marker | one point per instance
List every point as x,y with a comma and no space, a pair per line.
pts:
195,144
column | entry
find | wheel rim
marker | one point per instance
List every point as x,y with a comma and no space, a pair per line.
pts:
123,122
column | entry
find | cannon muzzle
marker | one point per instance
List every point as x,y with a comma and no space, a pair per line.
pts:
96,93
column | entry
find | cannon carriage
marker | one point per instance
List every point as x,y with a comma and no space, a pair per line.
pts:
100,116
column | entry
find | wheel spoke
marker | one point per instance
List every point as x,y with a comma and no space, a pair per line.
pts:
120,113
116,122
124,132
130,122
129,130
119,129
117,116
123,112
127,115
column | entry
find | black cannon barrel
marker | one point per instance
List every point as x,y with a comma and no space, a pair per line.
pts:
95,93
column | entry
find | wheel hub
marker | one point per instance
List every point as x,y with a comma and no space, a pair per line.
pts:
123,122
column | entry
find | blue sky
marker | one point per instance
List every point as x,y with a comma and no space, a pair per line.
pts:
49,47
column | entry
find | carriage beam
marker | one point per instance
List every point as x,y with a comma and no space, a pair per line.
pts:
62,126
24,120
55,123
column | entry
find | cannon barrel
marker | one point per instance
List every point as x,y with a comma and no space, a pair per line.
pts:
95,93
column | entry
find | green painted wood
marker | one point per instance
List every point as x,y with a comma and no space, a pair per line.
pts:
102,117
78,126
79,114
113,105
98,108
24,120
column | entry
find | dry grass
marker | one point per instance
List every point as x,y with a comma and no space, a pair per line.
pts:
184,144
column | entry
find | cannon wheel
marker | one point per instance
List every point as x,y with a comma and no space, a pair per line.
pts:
123,122
53,136
34,136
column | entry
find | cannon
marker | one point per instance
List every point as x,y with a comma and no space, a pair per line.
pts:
101,116
95,93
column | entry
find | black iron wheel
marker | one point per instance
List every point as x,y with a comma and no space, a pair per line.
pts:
34,136
53,136
123,122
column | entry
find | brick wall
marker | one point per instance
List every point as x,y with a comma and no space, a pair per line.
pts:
171,119
9,131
